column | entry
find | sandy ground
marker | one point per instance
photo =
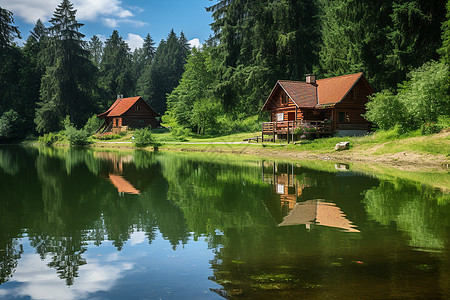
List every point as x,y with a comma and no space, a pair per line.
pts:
407,161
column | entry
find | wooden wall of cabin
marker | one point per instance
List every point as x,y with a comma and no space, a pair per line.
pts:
348,113
277,106
140,115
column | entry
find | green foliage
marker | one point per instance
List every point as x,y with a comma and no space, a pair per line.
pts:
384,39
386,110
10,125
77,137
68,85
228,125
305,130
204,115
50,138
92,124
164,74
143,138
422,99
430,128
115,69
108,136
95,47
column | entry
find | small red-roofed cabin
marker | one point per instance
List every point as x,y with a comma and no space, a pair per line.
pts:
129,112
331,106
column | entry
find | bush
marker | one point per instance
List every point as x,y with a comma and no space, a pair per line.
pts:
430,128
143,138
77,137
424,98
49,139
305,130
11,125
108,136
92,124
228,124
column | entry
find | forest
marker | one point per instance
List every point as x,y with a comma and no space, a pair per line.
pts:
402,47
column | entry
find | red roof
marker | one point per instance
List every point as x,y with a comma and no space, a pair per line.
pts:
334,89
119,107
324,91
303,94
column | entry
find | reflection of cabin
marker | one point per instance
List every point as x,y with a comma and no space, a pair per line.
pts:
123,185
318,212
116,177
327,106
287,207
128,112
285,184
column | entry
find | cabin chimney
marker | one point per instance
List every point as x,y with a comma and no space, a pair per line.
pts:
311,78
119,97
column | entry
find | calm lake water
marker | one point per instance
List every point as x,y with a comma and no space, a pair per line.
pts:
79,224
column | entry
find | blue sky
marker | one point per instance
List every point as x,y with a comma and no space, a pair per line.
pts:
132,18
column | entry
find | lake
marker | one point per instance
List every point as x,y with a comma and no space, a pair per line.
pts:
81,224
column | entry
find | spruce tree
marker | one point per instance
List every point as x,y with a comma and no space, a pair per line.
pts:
69,80
95,48
164,74
115,69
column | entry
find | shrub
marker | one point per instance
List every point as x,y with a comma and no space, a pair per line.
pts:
305,130
430,128
108,136
143,138
49,139
92,124
77,137
11,125
424,98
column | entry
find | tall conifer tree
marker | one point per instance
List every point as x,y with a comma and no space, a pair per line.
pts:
115,68
68,84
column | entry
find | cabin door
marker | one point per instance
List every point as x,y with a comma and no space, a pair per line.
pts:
291,116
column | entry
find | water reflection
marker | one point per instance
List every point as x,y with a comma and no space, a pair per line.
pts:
197,227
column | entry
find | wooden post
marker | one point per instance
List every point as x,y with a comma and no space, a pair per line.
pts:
293,127
273,128
262,134
287,133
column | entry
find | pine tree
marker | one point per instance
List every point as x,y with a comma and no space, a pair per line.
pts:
8,32
164,74
115,68
68,84
148,50
95,48
444,51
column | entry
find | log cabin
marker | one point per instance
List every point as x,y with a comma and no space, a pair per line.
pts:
330,106
128,112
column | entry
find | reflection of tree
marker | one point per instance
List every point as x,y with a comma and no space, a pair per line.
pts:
67,256
214,195
419,210
9,256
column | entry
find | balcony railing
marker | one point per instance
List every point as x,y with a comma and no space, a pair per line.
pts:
289,127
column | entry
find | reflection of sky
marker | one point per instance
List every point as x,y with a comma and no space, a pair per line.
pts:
140,270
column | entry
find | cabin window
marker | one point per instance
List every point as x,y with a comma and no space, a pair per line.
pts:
284,98
353,94
280,116
138,108
343,117
280,189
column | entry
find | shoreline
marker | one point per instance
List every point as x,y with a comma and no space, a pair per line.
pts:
405,161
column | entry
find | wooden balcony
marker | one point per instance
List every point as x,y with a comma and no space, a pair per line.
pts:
288,127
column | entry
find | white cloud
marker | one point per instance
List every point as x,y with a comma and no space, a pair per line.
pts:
134,41
110,22
195,43
112,12
138,237
35,279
